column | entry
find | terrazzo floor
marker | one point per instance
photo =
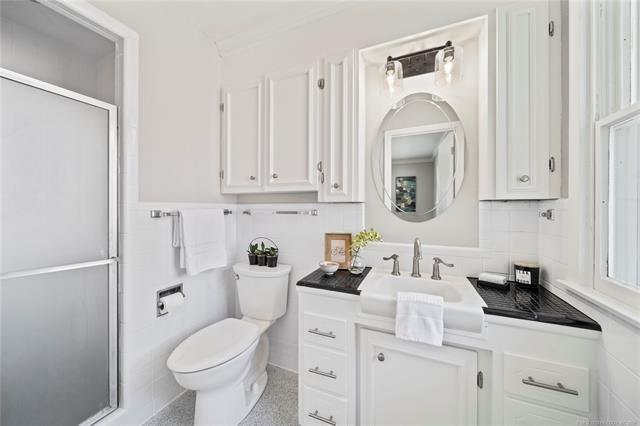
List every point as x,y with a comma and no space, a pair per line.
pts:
277,406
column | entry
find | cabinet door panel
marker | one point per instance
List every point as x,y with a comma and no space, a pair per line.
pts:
412,383
242,132
339,134
522,80
292,130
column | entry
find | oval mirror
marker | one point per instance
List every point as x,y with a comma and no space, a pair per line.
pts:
417,159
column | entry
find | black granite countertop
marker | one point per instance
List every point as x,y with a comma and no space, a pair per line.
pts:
539,305
342,281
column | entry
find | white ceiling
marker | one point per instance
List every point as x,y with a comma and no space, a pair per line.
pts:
237,25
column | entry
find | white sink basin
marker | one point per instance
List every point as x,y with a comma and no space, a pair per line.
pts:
462,304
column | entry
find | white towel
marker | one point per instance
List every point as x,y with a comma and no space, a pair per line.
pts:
419,318
200,236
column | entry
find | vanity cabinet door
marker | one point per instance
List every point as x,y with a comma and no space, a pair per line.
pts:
527,137
292,130
341,163
242,136
407,383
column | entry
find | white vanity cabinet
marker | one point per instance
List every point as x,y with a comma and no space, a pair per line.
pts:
528,105
327,359
406,383
342,159
354,371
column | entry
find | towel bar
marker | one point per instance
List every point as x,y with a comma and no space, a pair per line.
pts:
160,213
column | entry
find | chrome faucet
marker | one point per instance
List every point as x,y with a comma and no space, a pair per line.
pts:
417,257
396,264
435,275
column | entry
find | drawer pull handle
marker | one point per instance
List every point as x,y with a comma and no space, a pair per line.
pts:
557,387
317,416
329,374
322,333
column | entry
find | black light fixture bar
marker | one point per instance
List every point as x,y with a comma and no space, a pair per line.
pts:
417,63
421,52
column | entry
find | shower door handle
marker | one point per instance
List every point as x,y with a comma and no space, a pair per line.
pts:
50,269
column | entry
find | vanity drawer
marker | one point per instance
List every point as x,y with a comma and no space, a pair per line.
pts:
324,331
325,369
320,408
524,414
559,384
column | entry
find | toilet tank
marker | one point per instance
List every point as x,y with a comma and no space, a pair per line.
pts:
262,291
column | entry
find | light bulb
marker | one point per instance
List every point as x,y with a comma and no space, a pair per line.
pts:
448,65
391,81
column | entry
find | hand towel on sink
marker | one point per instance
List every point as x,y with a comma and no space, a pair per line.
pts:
419,318
200,236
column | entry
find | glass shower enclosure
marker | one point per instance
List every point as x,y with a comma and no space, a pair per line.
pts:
58,256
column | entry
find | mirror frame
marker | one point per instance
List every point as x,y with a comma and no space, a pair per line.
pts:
383,186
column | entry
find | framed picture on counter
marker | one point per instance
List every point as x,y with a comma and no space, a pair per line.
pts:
337,248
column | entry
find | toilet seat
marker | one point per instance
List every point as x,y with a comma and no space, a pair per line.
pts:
213,345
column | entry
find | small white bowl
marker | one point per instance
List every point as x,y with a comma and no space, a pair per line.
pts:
329,268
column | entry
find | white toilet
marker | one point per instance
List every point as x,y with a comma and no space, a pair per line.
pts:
225,363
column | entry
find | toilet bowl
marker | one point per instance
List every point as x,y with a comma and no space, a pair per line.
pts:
225,362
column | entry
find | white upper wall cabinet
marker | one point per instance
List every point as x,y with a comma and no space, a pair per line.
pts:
292,130
341,165
527,146
295,130
242,135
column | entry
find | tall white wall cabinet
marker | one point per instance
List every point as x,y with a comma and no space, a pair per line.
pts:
527,143
295,130
342,163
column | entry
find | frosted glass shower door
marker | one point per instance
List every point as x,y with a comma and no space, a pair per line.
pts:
58,255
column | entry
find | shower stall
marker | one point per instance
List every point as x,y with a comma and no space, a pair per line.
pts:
59,254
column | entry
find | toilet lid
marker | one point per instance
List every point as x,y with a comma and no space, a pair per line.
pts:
213,345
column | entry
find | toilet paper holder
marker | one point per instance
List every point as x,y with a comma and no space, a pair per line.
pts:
164,293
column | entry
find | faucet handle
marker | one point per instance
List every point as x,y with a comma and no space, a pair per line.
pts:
438,260
396,264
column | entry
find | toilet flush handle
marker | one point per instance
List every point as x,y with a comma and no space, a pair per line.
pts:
237,277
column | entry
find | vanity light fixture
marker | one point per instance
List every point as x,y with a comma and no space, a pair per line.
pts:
422,62
447,66
392,75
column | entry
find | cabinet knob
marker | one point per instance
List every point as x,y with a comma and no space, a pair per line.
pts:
336,185
524,178
252,178
380,357
275,176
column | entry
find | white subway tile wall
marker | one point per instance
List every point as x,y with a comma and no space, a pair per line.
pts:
618,359
148,264
300,240
509,231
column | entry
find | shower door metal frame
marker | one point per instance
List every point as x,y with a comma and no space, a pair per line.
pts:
112,258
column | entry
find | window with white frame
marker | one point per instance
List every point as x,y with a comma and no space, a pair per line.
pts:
617,149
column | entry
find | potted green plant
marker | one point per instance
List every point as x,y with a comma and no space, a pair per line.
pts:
360,241
253,255
272,257
262,255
